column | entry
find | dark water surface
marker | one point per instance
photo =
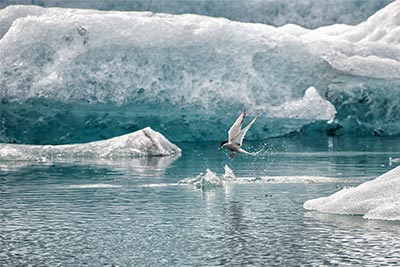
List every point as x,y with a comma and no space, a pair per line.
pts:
132,213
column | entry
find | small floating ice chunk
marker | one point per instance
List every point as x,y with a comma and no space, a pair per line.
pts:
203,182
376,199
393,160
209,180
145,142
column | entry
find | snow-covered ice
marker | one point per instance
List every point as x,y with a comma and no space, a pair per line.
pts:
375,199
93,66
308,13
145,142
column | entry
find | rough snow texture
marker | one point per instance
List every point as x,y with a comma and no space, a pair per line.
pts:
88,74
376,199
312,106
145,142
308,13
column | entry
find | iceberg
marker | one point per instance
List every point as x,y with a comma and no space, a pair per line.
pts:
143,143
308,13
89,75
375,199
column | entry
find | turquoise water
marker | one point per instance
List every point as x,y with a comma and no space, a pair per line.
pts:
132,212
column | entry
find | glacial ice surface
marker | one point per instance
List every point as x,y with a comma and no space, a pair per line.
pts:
145,142
375,199
88,75
308,13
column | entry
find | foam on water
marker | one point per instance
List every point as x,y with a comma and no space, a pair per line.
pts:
211,180
293,179
90,186
157,185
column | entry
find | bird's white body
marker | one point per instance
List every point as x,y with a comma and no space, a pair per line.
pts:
236,136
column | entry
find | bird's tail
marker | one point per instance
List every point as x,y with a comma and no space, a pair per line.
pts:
249,153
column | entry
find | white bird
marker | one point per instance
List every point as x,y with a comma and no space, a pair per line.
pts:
236,135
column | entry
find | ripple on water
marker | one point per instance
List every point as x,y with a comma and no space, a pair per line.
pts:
94,214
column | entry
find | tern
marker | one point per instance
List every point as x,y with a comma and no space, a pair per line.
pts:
236,135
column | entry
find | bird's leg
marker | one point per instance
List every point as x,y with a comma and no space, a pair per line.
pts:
232,155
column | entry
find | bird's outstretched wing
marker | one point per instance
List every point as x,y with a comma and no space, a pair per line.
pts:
235,128
239,137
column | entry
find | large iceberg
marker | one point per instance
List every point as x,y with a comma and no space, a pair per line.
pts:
376,199
308,13
89,75
145,142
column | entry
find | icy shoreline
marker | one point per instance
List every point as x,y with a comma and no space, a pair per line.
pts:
142,143
376,199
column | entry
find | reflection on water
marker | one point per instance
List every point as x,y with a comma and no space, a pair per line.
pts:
101,213
144,166
377,240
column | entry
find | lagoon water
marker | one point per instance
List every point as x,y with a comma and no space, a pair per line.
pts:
133,213
73,75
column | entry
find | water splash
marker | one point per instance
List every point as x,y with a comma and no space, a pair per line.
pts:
211,180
